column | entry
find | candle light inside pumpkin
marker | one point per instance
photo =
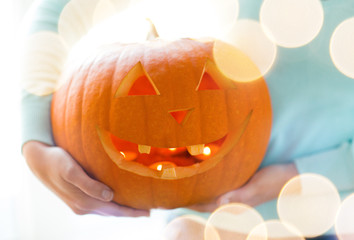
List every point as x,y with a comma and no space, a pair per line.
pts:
129,156
159,166
207,152
170,151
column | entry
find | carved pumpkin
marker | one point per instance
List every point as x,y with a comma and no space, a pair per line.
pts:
165,107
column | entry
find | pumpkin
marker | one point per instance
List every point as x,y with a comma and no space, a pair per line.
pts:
160,124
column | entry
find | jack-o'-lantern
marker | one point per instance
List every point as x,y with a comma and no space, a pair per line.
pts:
160,124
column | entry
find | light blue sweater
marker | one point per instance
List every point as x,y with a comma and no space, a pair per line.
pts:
313,103
313,107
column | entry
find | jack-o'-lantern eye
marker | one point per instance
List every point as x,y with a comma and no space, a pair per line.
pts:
142,86
136,83
207,83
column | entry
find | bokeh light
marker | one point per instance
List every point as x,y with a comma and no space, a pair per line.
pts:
76,19
232,221
292,23
342,47
44,55
111,30
249,37
310,203
234,63
127,26
187,227
192,19
344,224
107,8
274,230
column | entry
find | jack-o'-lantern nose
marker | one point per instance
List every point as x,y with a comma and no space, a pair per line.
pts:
181,116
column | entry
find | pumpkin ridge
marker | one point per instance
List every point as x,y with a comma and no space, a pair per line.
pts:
154,195
82,120
194,185
63,121
68,115
173,103
115,71
200,121
117,191
111,90
145,105
197,73
229,124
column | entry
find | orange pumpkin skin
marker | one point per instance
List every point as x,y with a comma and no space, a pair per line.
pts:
96,102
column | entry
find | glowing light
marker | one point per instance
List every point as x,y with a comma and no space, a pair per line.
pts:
310,203
232,221
170,151
159,166
345,219
76,20
248,36
291,23
107,8
193,19
189,227
234,63
274,229
342,47
43,59
207,151
129,156
102,33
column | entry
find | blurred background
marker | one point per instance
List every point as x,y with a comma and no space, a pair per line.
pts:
27,209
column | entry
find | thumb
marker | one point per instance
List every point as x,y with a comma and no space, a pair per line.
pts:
78,177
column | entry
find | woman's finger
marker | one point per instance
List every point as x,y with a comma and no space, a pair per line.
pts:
112,209
81,203
84,204
75,175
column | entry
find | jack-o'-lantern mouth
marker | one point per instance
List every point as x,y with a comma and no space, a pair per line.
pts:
158,158
166,162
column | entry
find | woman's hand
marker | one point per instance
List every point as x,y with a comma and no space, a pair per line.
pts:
265,185
65,177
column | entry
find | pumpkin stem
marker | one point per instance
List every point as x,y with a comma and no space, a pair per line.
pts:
152,34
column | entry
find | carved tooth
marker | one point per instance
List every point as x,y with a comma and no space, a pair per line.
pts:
169,173
195,149
144,149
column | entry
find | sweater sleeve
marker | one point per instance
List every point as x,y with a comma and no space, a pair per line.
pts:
36,123
335,164
35,110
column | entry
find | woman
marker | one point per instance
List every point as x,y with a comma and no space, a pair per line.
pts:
313,127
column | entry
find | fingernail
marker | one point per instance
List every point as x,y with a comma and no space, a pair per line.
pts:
107,195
